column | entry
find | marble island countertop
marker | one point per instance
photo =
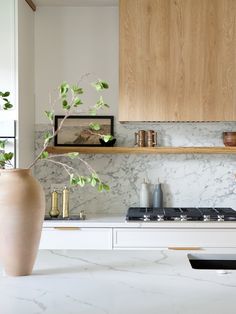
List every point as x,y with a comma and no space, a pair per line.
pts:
121,282
118,221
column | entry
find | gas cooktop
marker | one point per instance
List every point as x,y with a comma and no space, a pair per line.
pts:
181,214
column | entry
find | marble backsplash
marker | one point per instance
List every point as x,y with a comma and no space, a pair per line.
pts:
188,180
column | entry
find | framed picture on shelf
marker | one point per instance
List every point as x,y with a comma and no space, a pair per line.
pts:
77,130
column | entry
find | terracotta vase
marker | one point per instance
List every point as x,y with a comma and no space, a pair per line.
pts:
22,208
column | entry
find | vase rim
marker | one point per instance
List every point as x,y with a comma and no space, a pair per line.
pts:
18,170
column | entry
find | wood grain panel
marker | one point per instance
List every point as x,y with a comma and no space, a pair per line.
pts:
142,150
177,60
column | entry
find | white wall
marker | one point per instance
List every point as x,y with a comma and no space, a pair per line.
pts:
7,53
71,41
26,102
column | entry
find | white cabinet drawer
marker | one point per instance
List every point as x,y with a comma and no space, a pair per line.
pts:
166,238
76,238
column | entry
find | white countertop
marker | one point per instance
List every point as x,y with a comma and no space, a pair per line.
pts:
118,221
118,282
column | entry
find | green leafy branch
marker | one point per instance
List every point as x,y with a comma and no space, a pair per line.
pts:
6,102
100,104
75,178
70,99
96,127
5,158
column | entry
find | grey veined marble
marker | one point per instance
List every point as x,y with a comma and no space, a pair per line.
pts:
115,282
188,180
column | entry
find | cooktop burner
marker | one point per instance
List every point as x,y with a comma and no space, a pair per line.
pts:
181,214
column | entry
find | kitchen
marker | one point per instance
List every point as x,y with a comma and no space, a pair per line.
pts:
105,250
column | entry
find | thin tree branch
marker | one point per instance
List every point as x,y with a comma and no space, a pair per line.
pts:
91,170
60,164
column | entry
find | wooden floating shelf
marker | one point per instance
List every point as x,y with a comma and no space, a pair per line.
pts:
142,150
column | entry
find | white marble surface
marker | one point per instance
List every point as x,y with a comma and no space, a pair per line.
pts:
127,282
188,180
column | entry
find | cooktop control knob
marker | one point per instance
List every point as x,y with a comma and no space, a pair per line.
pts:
206,217
220,217
146,217
183,217
160,217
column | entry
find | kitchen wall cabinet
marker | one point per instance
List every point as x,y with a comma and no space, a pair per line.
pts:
177,60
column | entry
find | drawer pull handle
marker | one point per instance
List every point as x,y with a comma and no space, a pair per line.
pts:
67,228
182,248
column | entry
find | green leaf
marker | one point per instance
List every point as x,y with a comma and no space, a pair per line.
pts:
3,144
78,180
2,159
94,175
44,155
88,179
73,179
47,137
77,90
95,126
100,85
107,138
73,155
64,88
100,104
103,186
49,115
65,105
106,187
6,94
78,102
82,181
7,106
97,86
92,111
100,187
8,156
104,84
94,179
93,182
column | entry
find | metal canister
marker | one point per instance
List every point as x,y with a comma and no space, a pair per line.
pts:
65,202
151,138
140,138
54,212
